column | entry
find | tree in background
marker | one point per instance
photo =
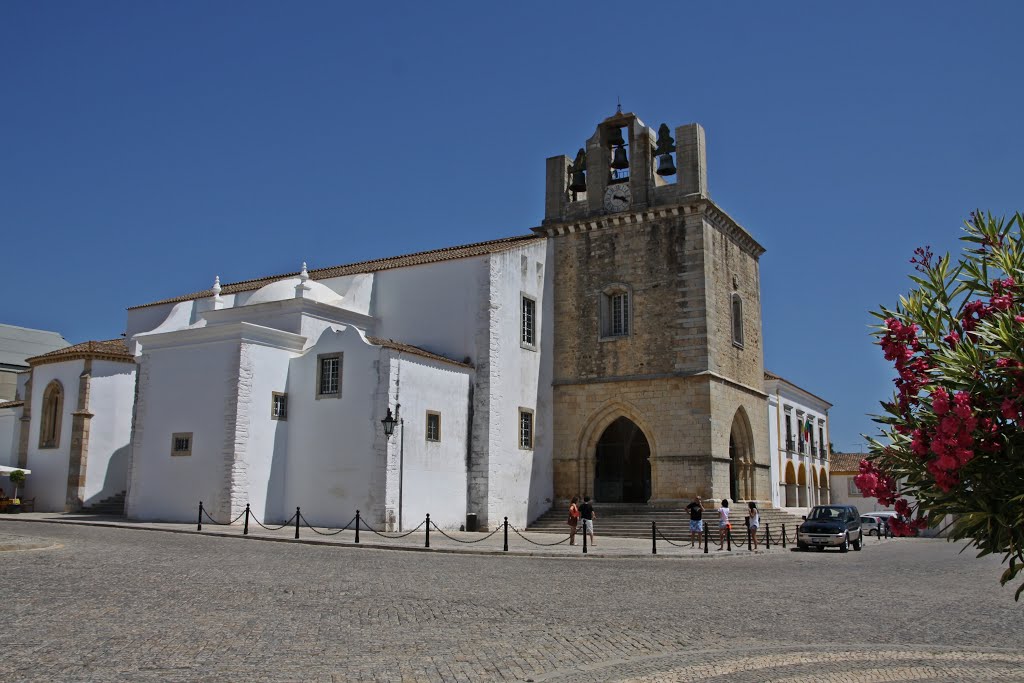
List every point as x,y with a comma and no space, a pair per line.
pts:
952,435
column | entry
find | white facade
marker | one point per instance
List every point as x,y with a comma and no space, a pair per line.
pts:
799,463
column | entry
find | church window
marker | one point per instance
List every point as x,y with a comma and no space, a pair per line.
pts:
789,433
181,443
433,426
528,331
329,375
526,428
615,311
821,441
53,409
737,320
279,406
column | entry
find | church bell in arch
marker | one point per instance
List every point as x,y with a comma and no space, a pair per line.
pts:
619,160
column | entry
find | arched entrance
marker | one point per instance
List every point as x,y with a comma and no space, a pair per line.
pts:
801,484
823,497
791,497
622,466
741,458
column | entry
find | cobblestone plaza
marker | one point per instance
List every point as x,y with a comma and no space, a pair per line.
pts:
108,604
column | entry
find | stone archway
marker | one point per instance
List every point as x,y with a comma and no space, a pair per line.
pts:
791,495
741,458
622,464
823,495
801,486
814,486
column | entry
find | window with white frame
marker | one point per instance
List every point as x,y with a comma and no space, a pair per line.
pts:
616,311
528,329
852,488
181,443
329,375
737,320
526,428
279,406
433,426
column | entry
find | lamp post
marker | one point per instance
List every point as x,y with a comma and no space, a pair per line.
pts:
389,423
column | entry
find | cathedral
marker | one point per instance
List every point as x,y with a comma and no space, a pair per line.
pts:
614,351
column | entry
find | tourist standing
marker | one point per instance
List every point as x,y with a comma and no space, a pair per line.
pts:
574,519
723,522
696,510
753,521
588,515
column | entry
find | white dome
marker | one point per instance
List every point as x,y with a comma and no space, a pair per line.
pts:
283,290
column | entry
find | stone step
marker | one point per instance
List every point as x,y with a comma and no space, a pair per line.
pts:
111,506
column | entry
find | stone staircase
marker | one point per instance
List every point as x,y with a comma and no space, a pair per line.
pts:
111,506
634,521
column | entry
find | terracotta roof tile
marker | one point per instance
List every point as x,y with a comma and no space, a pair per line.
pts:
111,349
11,404
415,350
419,258
842,463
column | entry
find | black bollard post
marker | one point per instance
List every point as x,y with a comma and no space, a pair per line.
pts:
298,516
428,531
728,536
199,525
705,538
245,527
654,538
783,535
750,535
584,537
357,526
767,537
506,535
746,523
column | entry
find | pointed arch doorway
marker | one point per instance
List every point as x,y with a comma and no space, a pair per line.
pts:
622,465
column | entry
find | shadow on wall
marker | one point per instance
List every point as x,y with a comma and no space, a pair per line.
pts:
273,512
115,480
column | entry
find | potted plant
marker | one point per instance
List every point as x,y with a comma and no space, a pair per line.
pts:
17,478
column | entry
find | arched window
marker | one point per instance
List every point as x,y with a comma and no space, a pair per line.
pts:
616,311
737,320
53,410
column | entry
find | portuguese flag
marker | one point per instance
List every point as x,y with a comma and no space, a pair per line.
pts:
808,429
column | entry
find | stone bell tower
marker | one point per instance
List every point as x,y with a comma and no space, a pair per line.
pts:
659,367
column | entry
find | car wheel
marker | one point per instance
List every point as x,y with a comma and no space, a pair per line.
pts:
859,542
845,545
872,532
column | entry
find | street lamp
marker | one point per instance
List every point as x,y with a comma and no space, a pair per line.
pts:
390,421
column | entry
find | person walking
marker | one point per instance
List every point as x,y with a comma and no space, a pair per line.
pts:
588,515
753,521
696,510
723,523
574,519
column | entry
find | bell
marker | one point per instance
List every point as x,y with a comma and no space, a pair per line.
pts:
579,181
619,160
615,137
665,165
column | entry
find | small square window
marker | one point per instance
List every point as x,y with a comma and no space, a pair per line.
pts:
528,329
181,443
433,426
329,375
279,406
526,429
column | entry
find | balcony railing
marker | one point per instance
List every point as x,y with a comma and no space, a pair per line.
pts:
789,445
800,447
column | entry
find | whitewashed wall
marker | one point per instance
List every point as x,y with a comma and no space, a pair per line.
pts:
801,405
433,474
10,430
777,455
111,395
331,468
183,389
48,482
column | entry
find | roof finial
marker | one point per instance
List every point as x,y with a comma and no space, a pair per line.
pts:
304,275
217,300
618,105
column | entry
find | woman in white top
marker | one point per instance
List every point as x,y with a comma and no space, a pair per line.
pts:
723,523
754,521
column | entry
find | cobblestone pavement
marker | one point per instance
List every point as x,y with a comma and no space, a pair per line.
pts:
108,604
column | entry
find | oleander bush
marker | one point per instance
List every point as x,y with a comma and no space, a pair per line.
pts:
951,437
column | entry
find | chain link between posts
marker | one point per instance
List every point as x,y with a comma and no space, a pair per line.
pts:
457,540
213,521
535,542
326,533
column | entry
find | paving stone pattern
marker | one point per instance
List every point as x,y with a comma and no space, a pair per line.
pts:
114,604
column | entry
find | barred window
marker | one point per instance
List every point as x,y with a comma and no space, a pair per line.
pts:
329,384
181,443
620,315
529,322
433,426
279,406
737,320
615,311
53,413
526,428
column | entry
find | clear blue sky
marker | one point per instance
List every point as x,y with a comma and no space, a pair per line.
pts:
148,146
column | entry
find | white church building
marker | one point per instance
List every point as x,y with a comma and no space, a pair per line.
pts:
272,392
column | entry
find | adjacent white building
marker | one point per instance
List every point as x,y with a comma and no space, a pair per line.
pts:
798,443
